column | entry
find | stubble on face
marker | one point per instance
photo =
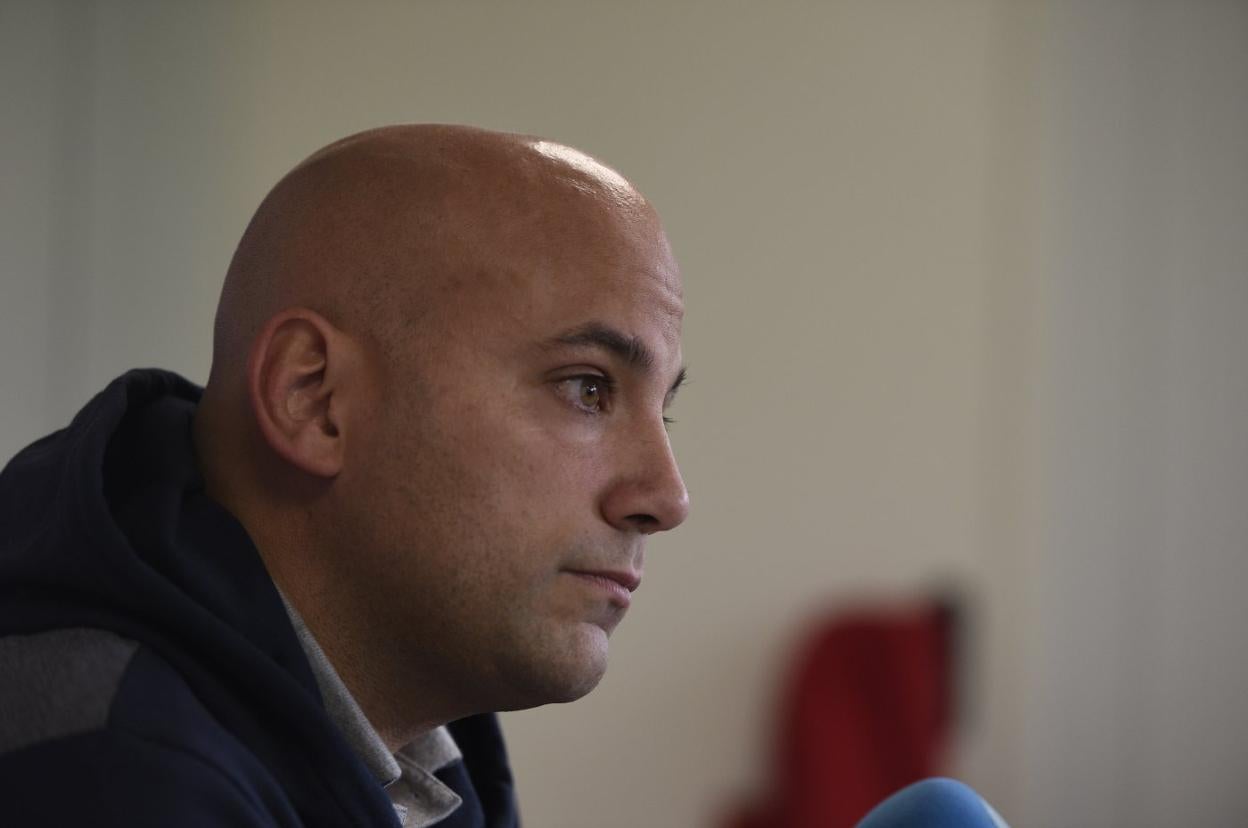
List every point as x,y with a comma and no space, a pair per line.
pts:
480,490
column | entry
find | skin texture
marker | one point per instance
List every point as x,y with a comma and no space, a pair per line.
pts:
441,363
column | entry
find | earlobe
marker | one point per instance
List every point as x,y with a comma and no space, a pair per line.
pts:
292,395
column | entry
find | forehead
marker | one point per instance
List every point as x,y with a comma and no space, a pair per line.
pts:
573,262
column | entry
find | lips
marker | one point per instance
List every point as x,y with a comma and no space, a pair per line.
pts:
617,584
627,579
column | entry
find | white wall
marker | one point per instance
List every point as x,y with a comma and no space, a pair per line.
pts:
29,193
943,320
1138,666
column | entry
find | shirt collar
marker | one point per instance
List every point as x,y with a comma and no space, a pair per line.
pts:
419,797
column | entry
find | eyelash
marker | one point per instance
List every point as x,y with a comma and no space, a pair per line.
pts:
607,386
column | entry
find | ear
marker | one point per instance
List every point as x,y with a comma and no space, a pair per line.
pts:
295,376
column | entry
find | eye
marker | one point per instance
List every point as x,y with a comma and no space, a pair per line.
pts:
590,393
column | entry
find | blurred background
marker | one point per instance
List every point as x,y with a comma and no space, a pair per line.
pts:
967,290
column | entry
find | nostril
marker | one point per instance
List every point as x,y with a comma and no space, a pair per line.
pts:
645,523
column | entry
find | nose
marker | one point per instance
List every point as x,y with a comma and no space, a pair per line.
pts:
647,495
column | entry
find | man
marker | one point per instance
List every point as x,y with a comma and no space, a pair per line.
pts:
416,490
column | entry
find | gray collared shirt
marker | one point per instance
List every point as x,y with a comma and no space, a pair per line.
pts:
420,799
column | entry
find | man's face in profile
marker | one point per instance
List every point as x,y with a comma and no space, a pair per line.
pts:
520,456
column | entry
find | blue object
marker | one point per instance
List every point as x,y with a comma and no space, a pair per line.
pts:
934,803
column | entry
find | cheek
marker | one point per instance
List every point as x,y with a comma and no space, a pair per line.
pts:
534,464
489,485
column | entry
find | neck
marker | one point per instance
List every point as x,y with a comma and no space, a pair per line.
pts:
346,647
308,576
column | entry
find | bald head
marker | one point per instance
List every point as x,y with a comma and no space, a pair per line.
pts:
377,232
442,360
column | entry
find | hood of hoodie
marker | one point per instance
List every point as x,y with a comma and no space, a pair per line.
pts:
106,524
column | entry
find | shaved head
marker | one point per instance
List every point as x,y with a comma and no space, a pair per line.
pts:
379,231
441,364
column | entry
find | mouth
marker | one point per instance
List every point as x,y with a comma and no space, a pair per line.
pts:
618,585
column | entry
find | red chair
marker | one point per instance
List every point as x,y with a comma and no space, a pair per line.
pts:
867,711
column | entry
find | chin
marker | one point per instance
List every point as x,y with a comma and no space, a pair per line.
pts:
565,673
585,681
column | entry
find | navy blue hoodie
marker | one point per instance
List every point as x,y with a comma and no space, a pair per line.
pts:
149,673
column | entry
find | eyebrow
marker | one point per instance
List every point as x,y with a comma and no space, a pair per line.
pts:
628,348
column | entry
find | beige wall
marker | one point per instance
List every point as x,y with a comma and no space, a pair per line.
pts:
876,205
1137,666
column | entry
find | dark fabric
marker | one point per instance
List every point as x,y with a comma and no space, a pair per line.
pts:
58,683
105,524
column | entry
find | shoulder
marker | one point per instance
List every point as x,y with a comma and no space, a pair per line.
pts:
96,726
58,683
